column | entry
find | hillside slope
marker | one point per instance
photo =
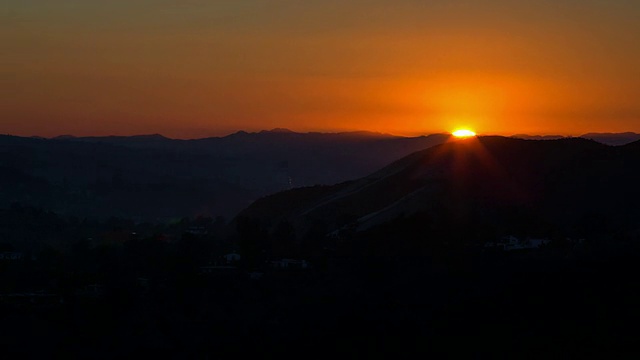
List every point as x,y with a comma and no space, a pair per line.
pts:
560,180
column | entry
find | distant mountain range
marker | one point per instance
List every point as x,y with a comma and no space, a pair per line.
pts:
149,177
615,139
490,180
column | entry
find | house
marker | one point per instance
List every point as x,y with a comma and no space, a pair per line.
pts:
91,291
10,255
232,258
32,299
289,264
510,242
198,230
536,243
213,269
223,263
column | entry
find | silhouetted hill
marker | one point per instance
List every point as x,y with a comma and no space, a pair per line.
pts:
278,130
632,145
613,138
489,180
537,137
151,176
152,140
406,272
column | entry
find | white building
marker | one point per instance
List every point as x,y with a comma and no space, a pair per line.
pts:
510,242
232,258
10,255
289,264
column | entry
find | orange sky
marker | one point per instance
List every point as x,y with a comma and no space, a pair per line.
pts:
199,68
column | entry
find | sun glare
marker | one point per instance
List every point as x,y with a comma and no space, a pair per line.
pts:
463,133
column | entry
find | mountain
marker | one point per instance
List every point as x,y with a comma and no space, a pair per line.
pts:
537,137
614,139
147,177
505,183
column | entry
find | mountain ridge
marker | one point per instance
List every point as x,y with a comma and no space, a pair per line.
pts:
492,173
151,176
608,138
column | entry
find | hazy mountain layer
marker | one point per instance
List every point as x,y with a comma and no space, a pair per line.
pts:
614,139
150,176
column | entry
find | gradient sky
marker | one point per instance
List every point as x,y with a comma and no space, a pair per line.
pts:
196,68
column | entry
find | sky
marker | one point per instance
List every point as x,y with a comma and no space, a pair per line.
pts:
197,68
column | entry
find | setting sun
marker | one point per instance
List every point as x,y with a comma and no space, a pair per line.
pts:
463,133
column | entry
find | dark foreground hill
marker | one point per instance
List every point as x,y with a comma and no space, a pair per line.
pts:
152,177
396,266
410,250
561,183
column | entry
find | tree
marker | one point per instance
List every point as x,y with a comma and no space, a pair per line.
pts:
253,241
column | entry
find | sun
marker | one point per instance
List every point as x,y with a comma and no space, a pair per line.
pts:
463,133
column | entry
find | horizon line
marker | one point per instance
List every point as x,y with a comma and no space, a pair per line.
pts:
328,132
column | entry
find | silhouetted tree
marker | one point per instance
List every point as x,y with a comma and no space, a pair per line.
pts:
283,241
253,241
